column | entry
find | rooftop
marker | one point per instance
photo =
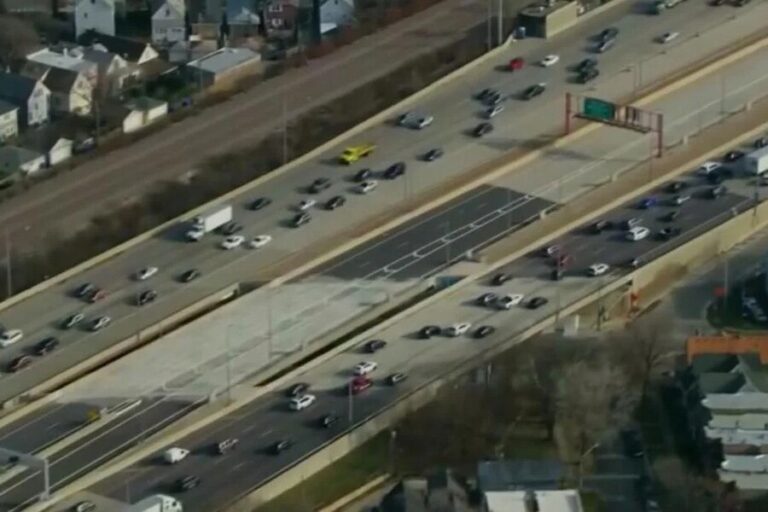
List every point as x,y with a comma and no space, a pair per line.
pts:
544,7
6,107
519,474
745,463
71,59
17,156
727,345
224,59
128,49
16,87
523,501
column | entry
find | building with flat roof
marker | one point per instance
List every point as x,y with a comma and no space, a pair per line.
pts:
549,17
224,67
526,501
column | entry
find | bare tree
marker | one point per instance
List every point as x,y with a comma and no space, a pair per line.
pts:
592,400
643,347
17,39
686,490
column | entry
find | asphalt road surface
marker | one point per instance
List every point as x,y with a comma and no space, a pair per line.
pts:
266,421
454,110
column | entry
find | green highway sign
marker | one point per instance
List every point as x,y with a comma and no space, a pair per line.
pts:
599,109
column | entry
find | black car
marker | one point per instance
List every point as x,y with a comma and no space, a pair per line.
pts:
716,192
675,187
280,446
428,331
733,156
189,275
533,91
600,226
493,99
537,302
760,142
589,75
633,443
395,171
297,389
669,232
500,278
73,320
670,217
230,228
484,331
374,346
187,483
586,65
319,185
396,378
335,202
259,203
487,299
328,420
482,129
486,93
608,34
84,290
300,219
146,297
433,154
362,175
606,45
715,178
47,345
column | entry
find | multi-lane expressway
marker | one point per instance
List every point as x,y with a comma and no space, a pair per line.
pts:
262,423
410,253
637,60
482,209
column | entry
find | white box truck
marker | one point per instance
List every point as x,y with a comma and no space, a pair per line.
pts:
175,454
209,221
756,162
156,503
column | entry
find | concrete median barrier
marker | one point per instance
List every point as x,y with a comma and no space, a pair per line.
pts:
522,242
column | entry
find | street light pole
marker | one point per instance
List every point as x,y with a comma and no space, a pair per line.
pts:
350,412
8,265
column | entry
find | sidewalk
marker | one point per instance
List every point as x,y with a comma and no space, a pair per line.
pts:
72,198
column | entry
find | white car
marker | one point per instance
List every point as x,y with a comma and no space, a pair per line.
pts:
301,402
10,337
365,367
260,241
306,204
100,323
232,242
367,186
668,37
146,273
509,301
494,111
424,122
598,269
458,329
708,168
638,233
175,454
550,60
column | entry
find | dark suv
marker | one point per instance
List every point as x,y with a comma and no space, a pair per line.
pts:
375,345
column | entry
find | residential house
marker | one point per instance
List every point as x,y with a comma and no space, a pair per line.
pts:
71,91
96,15
14,159
9,120
50,142
242,17
31,96
567,500
280,17
438,492
726,392
169,22
222,68
68,58
181,52
136,114
113,70
335,14
134,52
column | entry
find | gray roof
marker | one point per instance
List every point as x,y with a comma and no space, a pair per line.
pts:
439,492
519,474
128,49
16,88
17,156
60,80
6,107
224,59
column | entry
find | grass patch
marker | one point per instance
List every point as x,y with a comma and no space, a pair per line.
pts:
340,478
592,501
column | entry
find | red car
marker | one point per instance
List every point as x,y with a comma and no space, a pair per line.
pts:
516,64
360,384
96,296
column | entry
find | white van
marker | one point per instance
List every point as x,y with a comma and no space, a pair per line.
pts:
175,454
638,233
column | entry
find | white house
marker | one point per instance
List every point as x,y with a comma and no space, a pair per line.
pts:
139,113
335,14
134,52
168,25
71,91
30,95
96,15
68,58
113,70
14,159
9,120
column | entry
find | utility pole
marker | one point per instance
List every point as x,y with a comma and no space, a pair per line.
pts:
500,23
8,265
350,412
285,132
229,364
